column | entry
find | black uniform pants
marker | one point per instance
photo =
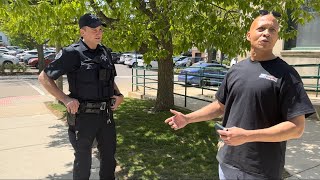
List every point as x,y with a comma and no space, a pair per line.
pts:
88,127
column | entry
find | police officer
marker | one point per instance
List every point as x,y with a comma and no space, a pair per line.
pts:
92,99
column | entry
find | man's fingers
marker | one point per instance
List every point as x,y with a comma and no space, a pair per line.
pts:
171,123
174,112
168,120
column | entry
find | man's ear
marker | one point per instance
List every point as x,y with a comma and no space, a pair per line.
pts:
82,32
248,36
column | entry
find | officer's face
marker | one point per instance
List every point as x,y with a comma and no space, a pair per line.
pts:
92,35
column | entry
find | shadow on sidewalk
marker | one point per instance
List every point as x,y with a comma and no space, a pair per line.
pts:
61,138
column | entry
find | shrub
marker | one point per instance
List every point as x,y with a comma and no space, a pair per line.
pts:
11,67
2,68
21,68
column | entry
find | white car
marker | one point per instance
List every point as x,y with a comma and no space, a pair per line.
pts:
7,51
123,57
131,60
233,61
8,59
153,64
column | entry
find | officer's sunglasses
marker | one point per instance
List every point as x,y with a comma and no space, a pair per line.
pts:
265,12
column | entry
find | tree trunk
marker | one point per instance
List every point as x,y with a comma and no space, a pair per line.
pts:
41,64
209,51
165,98
221,57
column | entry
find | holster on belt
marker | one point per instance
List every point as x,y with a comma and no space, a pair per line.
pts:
71,119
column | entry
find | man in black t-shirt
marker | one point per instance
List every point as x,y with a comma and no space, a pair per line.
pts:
93,97
263,104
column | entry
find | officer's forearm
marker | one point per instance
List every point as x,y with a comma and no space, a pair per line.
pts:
51,87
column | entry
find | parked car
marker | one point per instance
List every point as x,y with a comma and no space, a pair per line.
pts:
233,61
201,73
8,59
4,50
27,55
152,64
123,57
177,58
24,57
115,57
185,62
131,60
34,62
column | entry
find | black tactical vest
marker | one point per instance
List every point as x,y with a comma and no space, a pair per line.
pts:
94,79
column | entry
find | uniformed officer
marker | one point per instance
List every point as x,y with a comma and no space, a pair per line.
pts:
93,96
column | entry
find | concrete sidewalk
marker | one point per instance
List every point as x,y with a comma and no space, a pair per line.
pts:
303,154
34,143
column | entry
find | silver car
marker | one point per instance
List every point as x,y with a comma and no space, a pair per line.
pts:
8,59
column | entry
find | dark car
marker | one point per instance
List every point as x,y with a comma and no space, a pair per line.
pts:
115,57
209,74
47,59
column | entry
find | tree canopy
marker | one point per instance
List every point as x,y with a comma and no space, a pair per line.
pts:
156,28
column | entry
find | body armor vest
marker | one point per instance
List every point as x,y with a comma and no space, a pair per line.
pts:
94,79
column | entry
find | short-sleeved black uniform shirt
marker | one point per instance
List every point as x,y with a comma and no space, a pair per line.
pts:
259,95
68,61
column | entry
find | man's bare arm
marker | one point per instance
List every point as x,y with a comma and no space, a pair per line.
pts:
208,112
284,131
49,84
290,129
212,110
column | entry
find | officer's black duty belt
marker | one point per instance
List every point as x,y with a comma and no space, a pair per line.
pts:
93,107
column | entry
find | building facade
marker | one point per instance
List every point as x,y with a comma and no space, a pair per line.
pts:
4,40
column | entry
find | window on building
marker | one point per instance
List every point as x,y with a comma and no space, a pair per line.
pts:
307,34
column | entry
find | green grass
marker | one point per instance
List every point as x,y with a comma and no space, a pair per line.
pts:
58,107
149,149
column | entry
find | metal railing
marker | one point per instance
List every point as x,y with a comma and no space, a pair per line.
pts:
204,80
314,87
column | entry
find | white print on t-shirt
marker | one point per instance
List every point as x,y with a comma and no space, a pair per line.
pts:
269,77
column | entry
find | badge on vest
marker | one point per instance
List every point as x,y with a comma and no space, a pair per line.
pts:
103,57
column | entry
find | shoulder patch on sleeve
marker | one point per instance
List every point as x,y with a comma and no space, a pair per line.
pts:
58,55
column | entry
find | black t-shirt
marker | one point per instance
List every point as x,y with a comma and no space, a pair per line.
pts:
259,95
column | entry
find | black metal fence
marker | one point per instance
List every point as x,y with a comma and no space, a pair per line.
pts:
142,77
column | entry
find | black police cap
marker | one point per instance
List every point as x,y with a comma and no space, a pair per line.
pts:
90,20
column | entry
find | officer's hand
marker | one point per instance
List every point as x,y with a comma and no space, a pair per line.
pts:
117,101
72,105
177,121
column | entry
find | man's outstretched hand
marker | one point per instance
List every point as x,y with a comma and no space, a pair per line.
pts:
177,121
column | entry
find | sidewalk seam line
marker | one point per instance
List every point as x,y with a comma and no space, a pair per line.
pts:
22,147
304,170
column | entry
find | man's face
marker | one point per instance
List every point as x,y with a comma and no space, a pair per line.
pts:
263,33
92,35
